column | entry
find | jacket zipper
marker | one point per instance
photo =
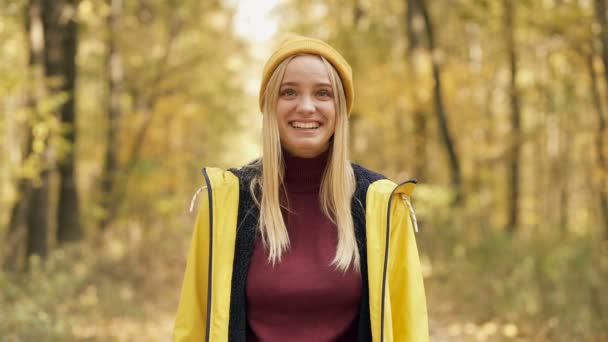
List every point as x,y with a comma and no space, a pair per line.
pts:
209,283
384,272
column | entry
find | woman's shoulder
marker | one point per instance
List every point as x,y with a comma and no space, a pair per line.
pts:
365,175
247,172
364,178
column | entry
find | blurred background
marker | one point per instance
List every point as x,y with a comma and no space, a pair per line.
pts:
111,108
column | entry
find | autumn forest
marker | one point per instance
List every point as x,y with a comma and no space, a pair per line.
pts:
111,108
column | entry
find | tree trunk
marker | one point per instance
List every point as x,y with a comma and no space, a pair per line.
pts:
358,13
114,112
355,117
59,19
414,25
146,103
599,143
513,185
440,112
600,12
38,219
11,258
32,199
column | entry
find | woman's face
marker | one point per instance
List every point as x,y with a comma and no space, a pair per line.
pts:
306,111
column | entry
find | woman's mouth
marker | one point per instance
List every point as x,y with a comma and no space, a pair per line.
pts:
304,125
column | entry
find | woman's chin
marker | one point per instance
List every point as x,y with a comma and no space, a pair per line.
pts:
307,150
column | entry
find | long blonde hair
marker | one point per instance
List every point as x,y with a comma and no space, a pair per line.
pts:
337,185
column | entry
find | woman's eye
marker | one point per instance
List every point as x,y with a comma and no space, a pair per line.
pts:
288,92
325,93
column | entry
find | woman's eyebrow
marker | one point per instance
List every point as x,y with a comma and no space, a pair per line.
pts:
323,84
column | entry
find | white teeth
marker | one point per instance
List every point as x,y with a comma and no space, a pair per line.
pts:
307,125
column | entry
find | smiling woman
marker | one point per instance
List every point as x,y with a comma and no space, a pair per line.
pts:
302,244
306,112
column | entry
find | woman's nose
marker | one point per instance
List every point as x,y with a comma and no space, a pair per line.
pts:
306,105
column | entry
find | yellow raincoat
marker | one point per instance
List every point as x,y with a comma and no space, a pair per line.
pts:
397,303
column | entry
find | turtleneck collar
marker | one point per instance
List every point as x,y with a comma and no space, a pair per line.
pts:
304,174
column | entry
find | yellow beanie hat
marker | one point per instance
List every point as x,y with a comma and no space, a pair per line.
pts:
300,44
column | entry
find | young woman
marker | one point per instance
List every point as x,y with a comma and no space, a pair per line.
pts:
301,244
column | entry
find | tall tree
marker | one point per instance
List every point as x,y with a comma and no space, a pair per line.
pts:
357,15
414,24
28,217
114,111
61,31
145,100
600,13
440,111
515,107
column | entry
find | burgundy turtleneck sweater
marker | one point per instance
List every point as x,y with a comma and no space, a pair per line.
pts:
303,297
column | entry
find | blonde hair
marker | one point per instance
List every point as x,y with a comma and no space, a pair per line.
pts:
337,185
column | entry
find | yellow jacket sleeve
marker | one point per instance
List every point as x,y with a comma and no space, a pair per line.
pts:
204,306
191,319
397,301
405,282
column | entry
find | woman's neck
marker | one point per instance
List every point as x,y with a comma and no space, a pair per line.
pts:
304,174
